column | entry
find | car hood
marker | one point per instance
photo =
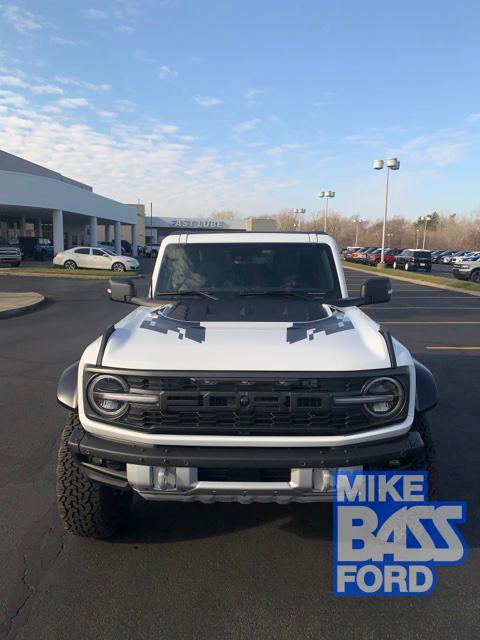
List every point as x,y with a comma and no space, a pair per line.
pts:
342,340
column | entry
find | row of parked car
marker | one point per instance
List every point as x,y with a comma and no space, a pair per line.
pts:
466,264
397,258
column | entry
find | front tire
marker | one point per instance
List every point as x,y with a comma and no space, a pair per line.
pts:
426,461
86,508
118,266
395,265
475,277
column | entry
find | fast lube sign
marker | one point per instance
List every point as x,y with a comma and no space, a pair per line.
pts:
388,537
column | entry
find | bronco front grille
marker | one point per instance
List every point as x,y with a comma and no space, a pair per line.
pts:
291,405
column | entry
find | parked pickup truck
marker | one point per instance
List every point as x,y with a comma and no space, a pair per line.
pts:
247,374
36,248
10,255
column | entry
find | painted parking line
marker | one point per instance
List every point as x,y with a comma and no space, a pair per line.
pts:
430,308
421,297
453,348
430,321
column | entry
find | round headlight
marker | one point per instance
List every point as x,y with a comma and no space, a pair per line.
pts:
102,392
389,397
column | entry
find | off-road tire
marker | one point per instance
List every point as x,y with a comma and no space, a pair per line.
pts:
426,461
87,508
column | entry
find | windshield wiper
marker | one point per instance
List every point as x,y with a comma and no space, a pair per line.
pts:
286,294
187,294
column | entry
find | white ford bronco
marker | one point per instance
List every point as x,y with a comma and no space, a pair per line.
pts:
248,374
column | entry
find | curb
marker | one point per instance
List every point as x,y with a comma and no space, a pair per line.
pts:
71,277
426,283
20,311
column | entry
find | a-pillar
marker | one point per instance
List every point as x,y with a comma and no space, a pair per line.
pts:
118,238
93,231
57,219
134,240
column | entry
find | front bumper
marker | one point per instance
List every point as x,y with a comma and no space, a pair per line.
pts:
461,275
174,473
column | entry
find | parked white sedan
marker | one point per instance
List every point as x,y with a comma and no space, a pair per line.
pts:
94,258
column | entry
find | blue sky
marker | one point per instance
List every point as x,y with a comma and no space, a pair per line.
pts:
202,105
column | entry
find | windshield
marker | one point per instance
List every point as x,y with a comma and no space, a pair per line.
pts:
109,251
252,267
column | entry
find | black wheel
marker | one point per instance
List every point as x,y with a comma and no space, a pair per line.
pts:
118,266
428,269
407,267
426,461
475,276
395,265
70,264
43,256
15,264
87,508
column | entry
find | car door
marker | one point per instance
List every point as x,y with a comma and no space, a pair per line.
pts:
101,259
81,257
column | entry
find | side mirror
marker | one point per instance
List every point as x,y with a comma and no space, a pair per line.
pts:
122,290
376,290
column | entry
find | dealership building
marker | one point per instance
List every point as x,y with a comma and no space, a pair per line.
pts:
35,201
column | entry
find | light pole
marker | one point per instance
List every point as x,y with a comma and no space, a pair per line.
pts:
427,220
389,236
417,231
299,211
357,221
326,195
392,164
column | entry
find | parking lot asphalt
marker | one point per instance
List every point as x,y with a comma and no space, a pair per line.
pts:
223,570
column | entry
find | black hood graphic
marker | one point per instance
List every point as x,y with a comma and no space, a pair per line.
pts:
185,329
303,330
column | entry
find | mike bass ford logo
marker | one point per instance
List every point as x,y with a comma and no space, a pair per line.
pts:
388,538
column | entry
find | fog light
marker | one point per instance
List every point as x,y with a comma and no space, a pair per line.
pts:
323,480
165,478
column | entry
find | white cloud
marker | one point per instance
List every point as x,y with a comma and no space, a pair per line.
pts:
167,72
441,148
12,81
60,40
205,101
247,125
278,152
472,118
128,106
11,98
252,95
22,20
95,14
67,103
83,84
107,114
124,28
142,55
41,89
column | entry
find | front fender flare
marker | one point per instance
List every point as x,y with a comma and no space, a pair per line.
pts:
67,387
426,396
